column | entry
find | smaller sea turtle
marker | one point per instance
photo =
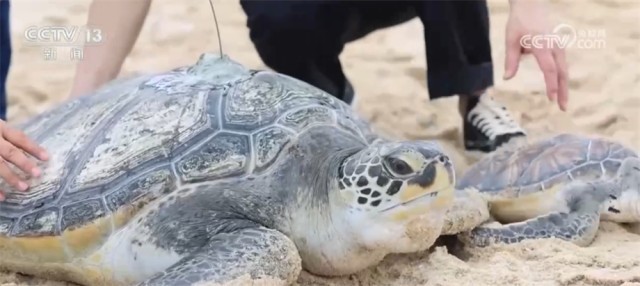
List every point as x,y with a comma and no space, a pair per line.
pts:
560,187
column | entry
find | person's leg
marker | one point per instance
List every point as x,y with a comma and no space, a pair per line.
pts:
304,39
297,39
5,55
459,63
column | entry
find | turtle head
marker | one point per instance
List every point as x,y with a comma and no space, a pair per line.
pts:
396,193
624,205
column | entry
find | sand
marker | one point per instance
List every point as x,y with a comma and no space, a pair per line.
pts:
388,71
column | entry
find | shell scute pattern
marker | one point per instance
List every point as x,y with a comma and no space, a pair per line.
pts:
545,164
226,154
263,98
305,95
300,119
130,108
178,81
253,103
78,128
6,224
481,175
140,139
542,163
268,145
150,130
78,213
611,167
144,188
38,223
39,125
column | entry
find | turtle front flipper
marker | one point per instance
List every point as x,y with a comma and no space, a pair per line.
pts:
256,252
579,228
469,209
578,225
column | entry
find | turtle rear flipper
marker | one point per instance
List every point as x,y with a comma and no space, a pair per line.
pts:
257,252
579,225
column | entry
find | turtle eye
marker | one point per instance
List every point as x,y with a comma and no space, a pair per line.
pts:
398,166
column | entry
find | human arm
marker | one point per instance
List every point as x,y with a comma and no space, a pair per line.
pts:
119,23
529,17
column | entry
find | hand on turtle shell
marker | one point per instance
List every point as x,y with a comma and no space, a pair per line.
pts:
13,145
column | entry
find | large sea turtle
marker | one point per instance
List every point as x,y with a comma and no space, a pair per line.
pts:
212,171
558,187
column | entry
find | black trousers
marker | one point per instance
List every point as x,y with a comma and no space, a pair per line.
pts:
5,55
304,39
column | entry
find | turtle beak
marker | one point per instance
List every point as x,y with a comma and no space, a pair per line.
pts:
437,180
432,190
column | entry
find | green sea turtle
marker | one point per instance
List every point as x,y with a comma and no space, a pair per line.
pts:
212,171
559,187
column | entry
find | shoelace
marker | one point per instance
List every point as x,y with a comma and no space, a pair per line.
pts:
492,118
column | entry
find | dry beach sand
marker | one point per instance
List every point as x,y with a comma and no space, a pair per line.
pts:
388,71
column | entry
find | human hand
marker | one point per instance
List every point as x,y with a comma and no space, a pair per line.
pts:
12,144
528,17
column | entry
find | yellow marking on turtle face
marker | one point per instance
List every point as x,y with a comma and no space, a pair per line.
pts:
441,181
525,207
445,199
403,215
440,203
